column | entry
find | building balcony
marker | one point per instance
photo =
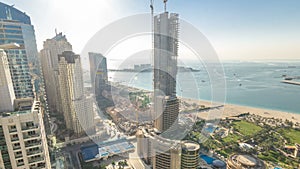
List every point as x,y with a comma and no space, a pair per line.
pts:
30,153
36,160
38,165
3,148
30,145
16,147
29,128
7,165
6,156
12,130
18,156
30,137
15,139
2,141
20,164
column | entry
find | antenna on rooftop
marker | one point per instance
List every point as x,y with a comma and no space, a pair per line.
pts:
55,32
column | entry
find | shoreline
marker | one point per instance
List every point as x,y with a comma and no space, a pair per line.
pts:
242,105
229,110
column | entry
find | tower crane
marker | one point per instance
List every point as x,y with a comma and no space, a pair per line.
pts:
165,2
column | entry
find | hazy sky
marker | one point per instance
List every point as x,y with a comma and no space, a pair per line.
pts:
237,29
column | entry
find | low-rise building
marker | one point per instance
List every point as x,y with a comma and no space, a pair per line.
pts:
242,161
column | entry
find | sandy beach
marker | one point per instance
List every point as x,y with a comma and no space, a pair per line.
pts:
229,110
233,110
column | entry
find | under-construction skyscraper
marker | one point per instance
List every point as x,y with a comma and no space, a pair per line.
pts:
166,104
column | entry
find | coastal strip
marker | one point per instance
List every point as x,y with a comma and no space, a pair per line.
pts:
227,110
231,110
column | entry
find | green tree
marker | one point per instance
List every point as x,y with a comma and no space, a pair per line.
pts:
113,163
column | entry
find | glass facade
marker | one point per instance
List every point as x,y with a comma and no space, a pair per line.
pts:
8,12
15,27
11,32
4,151
30,46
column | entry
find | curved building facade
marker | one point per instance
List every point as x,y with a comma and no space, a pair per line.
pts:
189,155
240,161
15,27
162,153
158,152
8,12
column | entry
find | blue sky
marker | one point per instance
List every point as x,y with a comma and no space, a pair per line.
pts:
238,29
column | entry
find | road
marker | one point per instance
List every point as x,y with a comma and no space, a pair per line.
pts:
74,150
112,131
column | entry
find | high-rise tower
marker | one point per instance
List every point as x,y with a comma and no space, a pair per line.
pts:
23,142
98,71
166,104
10,14
15,27
49,60
77,109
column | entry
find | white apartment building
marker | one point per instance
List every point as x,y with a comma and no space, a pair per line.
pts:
6,85
23,143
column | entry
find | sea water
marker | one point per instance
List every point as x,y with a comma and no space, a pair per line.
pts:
255,84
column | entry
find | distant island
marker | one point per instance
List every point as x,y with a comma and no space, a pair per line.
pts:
149,68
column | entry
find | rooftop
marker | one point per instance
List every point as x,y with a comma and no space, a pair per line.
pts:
190,146
106,149
246,160
8,114
9,12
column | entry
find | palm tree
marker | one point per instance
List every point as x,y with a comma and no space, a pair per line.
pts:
113,163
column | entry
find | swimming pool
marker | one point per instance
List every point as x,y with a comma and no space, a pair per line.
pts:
207,159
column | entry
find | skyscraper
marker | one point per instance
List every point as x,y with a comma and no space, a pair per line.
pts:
6,86
77,109
23,142
98,71
49,60
15,27
166,104
9,13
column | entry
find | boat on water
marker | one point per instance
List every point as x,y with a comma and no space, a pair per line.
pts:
288,78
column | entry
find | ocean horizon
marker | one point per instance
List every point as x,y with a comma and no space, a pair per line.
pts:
253,84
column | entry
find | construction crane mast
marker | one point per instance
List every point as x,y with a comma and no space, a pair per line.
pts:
152,28
152,23
152,32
